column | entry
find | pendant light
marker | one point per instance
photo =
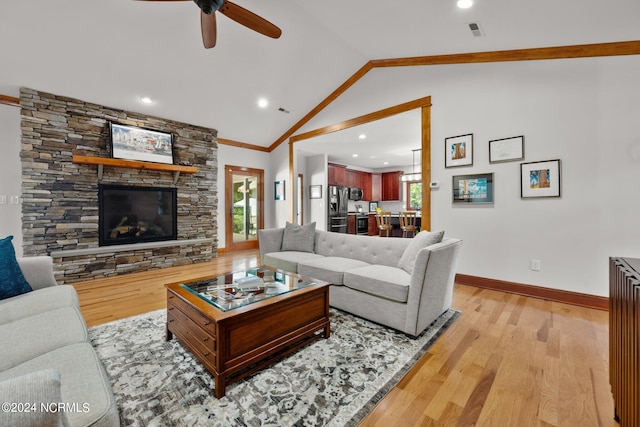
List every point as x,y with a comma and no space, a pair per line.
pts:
413,176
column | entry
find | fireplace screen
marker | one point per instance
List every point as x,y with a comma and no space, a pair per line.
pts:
136,214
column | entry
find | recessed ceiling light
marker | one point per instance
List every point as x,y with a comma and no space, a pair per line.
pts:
385,163
354,155
263,103
146,100
465,4
362,136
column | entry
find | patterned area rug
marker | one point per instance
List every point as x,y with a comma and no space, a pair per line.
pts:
331,382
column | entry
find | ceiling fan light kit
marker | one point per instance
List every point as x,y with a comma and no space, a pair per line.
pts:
232,11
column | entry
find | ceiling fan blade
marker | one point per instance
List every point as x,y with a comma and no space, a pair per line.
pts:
208,27
250,20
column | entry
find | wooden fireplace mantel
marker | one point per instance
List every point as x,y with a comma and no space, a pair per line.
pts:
133,164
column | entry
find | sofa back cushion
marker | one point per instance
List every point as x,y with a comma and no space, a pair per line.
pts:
12,281
299,238
370,249
422,240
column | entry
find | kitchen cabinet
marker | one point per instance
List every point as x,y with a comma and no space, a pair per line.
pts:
337,175
362,180
373,225
391,189
376,187
351,224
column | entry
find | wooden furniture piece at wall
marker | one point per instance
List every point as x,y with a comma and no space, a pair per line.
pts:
624,339
408,223
383,220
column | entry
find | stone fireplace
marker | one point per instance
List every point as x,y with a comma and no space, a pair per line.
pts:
61,199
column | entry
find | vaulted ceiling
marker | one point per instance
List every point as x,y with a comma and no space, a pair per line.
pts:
113,52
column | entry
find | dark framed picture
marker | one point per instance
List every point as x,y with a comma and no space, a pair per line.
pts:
373,206
506,149
473,188
458,151
134,143
315,191
540,179
278,190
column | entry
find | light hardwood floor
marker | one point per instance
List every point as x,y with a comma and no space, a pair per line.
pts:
508,360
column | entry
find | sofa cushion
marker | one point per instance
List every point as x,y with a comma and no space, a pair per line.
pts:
299,238
330,269
36,388
288,261
380,280
12,281
420,241
38,301
38,334
83,383
370,249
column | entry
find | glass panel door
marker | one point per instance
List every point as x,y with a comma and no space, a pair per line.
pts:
244,196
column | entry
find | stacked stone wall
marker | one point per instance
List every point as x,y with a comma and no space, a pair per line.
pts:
60,198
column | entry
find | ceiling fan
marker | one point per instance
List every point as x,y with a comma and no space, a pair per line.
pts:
230,10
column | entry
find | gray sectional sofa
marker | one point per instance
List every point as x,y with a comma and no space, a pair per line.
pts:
401,283
46,359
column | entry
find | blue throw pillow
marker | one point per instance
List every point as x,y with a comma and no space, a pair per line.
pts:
12,281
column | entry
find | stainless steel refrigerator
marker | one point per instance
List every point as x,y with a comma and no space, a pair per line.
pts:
337,206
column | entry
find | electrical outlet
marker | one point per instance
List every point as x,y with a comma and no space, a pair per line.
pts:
3,199
15,200
536,264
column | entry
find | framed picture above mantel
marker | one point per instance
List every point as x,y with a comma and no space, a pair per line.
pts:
135,143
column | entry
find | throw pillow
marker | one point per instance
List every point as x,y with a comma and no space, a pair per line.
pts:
299,238
29,392
12,281
422,240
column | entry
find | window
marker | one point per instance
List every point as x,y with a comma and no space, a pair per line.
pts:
414,195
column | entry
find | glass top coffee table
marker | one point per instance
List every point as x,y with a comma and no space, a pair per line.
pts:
241,288
239,322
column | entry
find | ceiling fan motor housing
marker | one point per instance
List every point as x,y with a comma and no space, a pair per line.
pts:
209,6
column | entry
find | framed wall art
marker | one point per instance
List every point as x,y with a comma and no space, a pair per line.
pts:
134,143
458,151
540,179
473,188
315,191
506,149
278,190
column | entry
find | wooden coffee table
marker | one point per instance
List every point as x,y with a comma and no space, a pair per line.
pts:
238,323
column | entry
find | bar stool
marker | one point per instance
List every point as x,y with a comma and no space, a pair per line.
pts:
408,223
384,223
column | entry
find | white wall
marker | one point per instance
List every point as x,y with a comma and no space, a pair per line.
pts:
279,172
316,174
229,155
10,175
582,111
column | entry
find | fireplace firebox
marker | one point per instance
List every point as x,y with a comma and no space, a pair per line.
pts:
130,214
